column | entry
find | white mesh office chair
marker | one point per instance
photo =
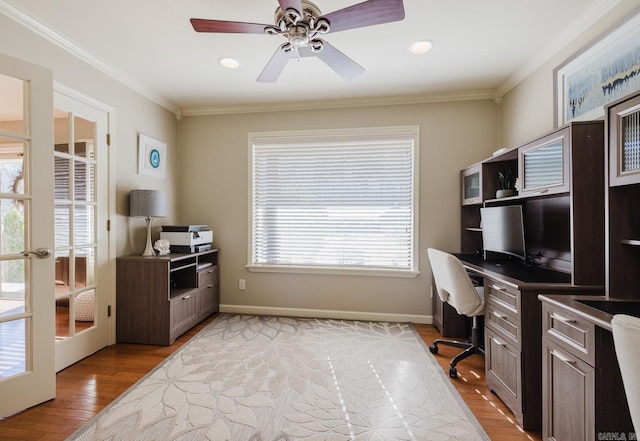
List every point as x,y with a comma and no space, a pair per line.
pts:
455,287
626,339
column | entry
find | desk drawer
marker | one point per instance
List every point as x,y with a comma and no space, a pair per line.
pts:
499,293
569,331
499,320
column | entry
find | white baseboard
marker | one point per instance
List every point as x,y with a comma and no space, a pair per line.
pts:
324,313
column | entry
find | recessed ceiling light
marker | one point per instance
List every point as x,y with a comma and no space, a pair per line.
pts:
229,63
420,47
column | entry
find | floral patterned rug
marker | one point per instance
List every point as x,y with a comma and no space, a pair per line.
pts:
259,378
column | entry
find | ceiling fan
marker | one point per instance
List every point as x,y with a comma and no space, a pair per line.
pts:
300,22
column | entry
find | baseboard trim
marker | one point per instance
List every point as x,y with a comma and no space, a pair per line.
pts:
325,313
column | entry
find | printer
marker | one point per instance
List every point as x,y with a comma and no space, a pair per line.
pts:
187,238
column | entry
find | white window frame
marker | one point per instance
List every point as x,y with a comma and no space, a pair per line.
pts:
338,135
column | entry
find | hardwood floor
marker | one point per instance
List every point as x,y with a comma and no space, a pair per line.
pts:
91,384
496,418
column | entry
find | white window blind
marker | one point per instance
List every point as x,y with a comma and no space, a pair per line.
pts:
334,199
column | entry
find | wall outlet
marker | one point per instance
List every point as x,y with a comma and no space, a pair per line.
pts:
241,284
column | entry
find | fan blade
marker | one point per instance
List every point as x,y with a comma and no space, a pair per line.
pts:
227,27
368,13
295,4
336,60
275,66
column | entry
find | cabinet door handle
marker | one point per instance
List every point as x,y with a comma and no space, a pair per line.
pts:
499,343
186,297
562,318
210,285
498,288
541,191
562,357
499,315
210,271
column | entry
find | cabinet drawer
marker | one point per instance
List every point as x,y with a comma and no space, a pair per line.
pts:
503,323
569,331
503,370
501,294
208,300
208,276
184,313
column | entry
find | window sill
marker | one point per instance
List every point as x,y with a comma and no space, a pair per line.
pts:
335,271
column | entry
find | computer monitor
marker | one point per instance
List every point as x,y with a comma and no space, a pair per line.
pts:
503,231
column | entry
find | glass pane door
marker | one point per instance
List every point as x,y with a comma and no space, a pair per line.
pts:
27,355
75,214
81,249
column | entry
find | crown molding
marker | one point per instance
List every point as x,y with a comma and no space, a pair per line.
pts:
50,35
569,34
472,95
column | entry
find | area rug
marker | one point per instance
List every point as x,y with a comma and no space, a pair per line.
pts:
259,378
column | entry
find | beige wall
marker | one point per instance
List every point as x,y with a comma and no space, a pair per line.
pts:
527,109
133,114
214,191
207,170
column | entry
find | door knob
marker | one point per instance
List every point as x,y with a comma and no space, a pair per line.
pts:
41,253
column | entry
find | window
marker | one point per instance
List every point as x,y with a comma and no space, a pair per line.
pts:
334,200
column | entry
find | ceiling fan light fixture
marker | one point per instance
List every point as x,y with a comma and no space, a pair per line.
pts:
229,63
420,47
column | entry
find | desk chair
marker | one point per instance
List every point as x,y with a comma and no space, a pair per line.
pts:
455,287
626,339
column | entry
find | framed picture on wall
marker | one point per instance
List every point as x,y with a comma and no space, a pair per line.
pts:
602,72
152,157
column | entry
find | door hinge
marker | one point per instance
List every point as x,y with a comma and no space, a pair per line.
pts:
109,311
109,139
108,224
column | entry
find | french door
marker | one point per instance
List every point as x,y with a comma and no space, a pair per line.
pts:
81,243
27,322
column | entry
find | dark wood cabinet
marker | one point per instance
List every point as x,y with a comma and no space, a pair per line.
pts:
513,351
561,178
623,138
544,164
583,394
161,297
582,387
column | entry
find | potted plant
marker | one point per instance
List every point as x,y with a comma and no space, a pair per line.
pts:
506,182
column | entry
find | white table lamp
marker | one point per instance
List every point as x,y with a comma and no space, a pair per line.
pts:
148,204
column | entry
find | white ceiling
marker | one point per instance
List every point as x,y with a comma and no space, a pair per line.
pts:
480,47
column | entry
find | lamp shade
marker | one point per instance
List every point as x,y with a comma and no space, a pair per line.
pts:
147,203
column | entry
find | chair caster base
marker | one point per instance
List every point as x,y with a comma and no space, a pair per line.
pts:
433,349
453,372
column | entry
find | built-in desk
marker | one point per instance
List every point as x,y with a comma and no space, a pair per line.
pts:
513,272
513,329
583,394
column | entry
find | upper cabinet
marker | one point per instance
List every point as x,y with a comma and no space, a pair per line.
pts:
561,178
624,142
544,165
471,185
623,210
